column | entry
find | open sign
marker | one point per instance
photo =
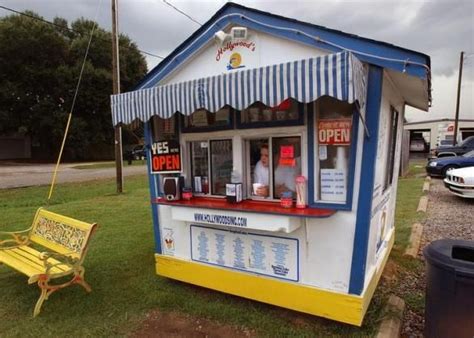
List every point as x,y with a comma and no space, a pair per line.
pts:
334,132
165,157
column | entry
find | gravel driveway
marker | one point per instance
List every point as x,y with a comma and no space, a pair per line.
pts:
448,216
24,175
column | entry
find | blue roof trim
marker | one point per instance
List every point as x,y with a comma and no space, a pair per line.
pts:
232,13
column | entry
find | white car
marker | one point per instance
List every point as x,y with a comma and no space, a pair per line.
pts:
461,182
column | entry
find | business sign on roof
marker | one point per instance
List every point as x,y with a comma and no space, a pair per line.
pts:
237,54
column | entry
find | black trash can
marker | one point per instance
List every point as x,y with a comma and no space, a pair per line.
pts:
449,304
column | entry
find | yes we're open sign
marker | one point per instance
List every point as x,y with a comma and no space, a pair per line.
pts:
165,157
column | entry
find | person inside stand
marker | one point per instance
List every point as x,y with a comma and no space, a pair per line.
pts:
261,173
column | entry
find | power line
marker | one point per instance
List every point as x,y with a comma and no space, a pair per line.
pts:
183,13
70,29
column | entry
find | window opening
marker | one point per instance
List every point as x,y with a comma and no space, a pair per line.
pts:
333,139
211,166
392,143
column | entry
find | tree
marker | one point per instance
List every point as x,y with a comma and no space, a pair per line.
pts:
39,69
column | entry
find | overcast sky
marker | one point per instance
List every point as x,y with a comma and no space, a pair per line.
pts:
441,29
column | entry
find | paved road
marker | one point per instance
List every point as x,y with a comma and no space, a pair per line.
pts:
24,175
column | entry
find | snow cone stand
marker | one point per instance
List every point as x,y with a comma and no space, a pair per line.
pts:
273,157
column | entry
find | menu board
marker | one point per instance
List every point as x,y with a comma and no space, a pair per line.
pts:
333,185
266,255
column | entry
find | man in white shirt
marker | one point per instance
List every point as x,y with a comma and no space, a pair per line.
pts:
261,173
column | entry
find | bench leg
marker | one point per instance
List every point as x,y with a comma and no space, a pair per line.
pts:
39,303
47,289
79,279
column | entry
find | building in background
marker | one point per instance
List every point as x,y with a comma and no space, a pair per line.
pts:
427,135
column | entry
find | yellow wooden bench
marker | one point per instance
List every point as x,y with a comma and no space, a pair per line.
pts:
65,240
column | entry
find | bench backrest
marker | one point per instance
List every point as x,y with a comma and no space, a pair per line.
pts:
61,234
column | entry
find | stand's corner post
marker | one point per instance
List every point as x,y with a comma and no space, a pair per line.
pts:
153,181
364,207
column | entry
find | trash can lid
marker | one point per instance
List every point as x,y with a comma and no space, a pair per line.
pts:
451,253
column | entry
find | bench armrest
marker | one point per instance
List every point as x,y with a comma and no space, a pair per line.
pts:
66,259
13,239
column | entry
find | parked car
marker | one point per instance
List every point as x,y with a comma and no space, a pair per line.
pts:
441,166
445,143
461,182
459,149
138,152
418,144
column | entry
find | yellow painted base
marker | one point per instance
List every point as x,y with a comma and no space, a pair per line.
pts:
324,303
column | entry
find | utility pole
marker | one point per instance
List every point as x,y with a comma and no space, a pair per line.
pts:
116,90
456,119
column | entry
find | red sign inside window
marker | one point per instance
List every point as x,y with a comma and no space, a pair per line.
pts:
287,151
287,156
287,162
334,132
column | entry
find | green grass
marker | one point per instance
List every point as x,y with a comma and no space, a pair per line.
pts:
111,164
120,268
416,168
408,196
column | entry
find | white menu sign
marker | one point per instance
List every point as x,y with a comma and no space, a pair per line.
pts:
261,254
333,185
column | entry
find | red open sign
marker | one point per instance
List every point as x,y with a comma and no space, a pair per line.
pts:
334,132
165,157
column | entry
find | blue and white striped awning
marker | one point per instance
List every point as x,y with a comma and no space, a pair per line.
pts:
340,75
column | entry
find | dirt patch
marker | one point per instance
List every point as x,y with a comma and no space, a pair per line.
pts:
390,272
172,325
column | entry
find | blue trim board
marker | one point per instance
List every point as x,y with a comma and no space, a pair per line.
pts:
154,190
234,14
352,160
362,227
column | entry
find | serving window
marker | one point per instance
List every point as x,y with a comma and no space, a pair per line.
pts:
272,166
211,166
